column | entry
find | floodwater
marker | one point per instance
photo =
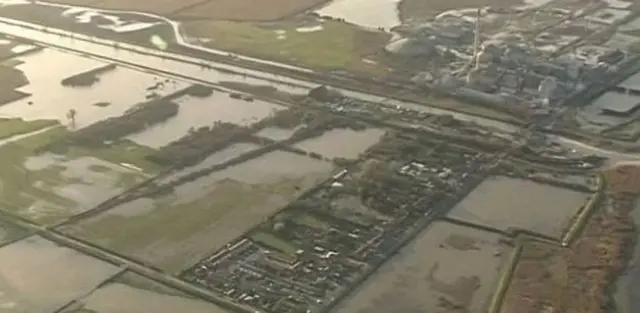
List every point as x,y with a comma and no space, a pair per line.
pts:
38,276
499,202
136,299
277,133
432,270
188,67
85,181
219,157
197,112
627,292
591,116
50,100
365,13
342,143
176,230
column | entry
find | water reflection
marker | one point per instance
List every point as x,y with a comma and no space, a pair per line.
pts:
50,100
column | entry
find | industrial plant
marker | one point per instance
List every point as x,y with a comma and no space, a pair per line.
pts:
489,56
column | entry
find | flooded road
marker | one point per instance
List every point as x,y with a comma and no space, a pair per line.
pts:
188,67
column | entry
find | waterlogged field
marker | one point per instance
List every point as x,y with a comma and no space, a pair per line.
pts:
175,229
132,293
503,203
342,143
38,276
433,274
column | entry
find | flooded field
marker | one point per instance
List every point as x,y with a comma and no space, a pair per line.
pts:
432,274
49,99
500,202
77,184
365,13
342,143
137,294
198,112
176,229
10,47
47,187
38,276
592,117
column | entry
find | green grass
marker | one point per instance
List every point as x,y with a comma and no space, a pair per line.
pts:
10,127
336,46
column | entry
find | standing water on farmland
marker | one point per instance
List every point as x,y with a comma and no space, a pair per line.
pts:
213,210
198,112
365,13
49,99
136,300
37,276
342,143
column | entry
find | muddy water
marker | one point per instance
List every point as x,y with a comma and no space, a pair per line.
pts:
499,202
86,181
50,100
37,276
197,112
120,298
342,143
365,13
154,59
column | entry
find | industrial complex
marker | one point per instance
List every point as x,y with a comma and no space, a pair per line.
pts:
281,157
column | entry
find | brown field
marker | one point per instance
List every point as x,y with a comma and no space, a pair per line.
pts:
240,10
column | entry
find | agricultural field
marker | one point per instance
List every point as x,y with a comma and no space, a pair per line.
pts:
212,210
136,294
433,274
499,203
34,267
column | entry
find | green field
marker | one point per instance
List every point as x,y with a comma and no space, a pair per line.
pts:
334,45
